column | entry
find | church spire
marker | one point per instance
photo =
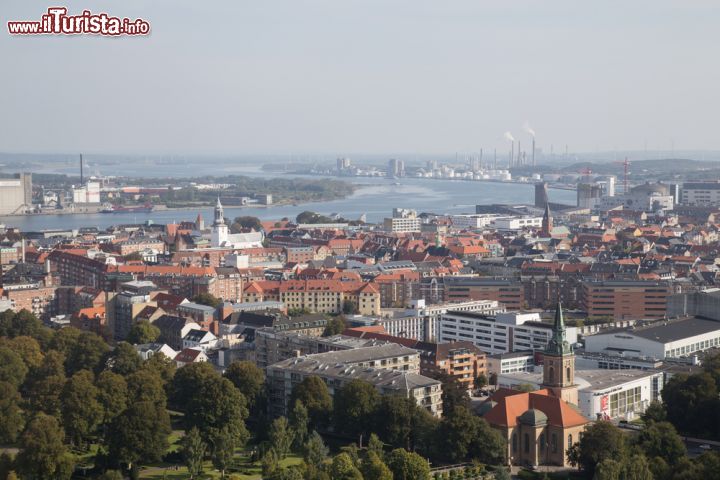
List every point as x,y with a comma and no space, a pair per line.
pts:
547,222
558,344
219,214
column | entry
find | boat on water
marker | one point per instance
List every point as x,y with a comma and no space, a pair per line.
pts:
147,208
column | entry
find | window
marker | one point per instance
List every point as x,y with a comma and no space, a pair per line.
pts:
569,444
554,443
527,443
542,442
514,447
567,374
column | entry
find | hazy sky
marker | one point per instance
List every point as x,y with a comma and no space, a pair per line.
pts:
373,76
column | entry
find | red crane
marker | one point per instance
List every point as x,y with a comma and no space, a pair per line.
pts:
626,164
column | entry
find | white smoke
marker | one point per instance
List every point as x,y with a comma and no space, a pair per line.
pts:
529,129
509,136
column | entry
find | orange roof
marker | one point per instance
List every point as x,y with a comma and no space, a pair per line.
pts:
512,403
92,312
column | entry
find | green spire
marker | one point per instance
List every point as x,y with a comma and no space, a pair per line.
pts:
558,344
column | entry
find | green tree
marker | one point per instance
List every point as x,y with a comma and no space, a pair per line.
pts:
354,404
269,463
112,393
457,431
408,465
349,307
661,440
224,443
655,412
299,423
42,451
488,445
343,468
454,394
11,416
86,354
600,441
375,445
146,386
139,434
187,380
248,378
12,368
335,325
193,452
638,468
124,359
373,468
608,469
315,451
246,222
22,323
281,436
207,299
43,384
64,339
143,332
27,348
481,381
691,402
81,410
161,365
291,473
314,394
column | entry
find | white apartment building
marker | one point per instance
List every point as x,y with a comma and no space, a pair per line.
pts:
514,362
701,194
422,321
506,332
517,223
471,221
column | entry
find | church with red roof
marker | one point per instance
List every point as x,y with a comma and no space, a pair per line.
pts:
541,426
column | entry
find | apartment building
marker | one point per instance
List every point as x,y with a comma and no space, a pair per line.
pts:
320,296
507,292
421,322
506,332
622,299
122,309
33,297
391,369
706,194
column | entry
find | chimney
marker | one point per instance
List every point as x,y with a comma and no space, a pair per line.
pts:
533,152
81,170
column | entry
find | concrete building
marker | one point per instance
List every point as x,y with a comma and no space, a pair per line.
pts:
588,195
88,193
422,321
123,308
625,299
503,363
461,289
705,303
705,194
471,221
390,369
402,221
517,223
603,394
16,194
506,332
669,339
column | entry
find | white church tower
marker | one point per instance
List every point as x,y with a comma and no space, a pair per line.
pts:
219,228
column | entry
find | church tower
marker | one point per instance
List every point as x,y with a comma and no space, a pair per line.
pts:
219,234
559,363
547,222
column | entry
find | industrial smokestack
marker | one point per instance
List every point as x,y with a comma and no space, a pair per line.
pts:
22,249
519,155
512,154
81,170
533,152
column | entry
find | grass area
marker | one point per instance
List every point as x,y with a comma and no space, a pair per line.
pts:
243,468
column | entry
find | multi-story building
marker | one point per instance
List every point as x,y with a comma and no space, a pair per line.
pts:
506,332
123,308
398,289
421,322
517,223
513,362
272,346
507,292
33,297
138,244
680,338
16,194
402,224
622,299
318,296
390,369
705,194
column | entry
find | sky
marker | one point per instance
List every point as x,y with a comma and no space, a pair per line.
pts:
365,76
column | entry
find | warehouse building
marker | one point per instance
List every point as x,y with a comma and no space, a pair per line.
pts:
16,194
667,339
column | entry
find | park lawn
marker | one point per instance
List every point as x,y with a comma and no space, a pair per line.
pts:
242,468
